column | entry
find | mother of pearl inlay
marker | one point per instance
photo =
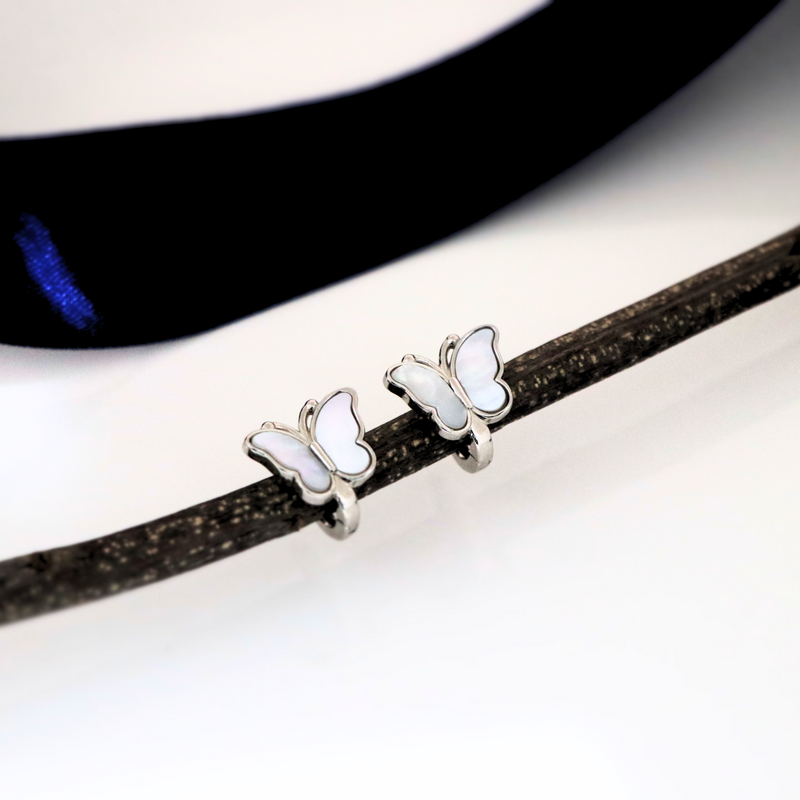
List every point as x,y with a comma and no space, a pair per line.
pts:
476,368
336,430
432,389
290,452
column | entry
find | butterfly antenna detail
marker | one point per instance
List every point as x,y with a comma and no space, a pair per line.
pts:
304,421
446,351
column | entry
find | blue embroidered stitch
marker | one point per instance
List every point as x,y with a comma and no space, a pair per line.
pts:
46,267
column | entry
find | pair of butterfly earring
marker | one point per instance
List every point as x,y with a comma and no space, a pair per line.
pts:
326,457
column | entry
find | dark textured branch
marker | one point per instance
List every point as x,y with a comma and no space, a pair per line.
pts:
65,576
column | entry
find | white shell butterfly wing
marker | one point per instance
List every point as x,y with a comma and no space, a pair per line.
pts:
286,453
478,367
426,386
338,430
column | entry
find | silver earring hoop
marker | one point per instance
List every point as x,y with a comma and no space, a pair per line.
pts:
462,395
325,458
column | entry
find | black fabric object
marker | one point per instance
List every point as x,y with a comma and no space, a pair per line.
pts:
173,229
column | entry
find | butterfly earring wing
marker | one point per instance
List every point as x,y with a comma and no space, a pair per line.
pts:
477,365
337,429
428,388
286,453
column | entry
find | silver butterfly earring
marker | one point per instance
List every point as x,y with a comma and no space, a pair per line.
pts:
461,394
325,459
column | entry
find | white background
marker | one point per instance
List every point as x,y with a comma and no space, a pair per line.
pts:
75,64
609,611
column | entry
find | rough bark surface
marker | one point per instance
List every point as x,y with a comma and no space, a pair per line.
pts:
65,576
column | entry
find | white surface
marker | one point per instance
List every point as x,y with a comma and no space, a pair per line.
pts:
609,611
85,64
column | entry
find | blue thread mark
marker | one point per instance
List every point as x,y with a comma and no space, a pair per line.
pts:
46,267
